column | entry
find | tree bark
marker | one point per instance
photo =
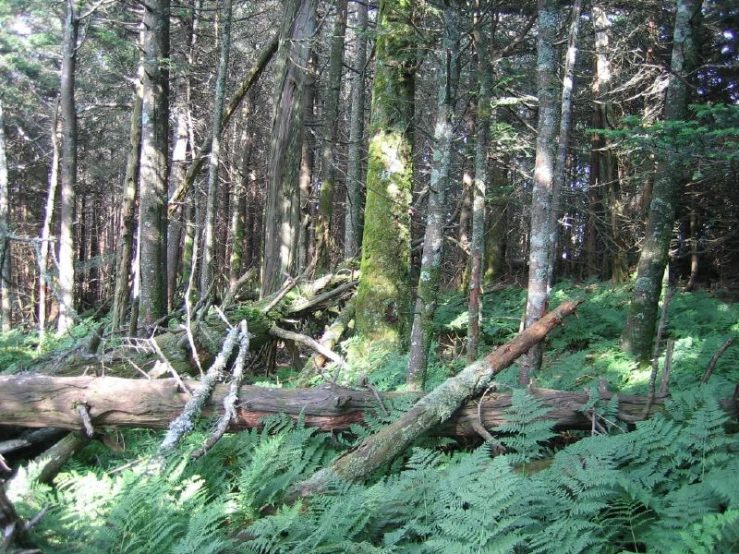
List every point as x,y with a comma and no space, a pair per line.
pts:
479,184
68,169
122,292
355,153
282,213
540,247
433,242
383,298
5,306
154,162
638,335
330,138
434,409
208,268
43,401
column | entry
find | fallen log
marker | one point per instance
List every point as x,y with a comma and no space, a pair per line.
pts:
39,401
134,357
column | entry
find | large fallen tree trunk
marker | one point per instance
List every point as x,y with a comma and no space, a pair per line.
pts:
43,401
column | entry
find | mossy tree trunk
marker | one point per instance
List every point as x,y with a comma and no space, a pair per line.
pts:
282,215
638,335
540,240
122,292
383,297
355,153
430,276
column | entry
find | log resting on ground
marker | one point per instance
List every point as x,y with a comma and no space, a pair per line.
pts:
137,356
42,401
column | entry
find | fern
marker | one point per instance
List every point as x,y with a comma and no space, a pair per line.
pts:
526,428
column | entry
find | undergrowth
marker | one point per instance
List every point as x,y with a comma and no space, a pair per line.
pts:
668,485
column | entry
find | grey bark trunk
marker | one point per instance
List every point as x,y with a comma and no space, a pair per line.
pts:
638,335
479,184
43,255
122,292
209,258
430,276
355,168
565,123
5,305
330,137
282,219
540,247
68,169
154,162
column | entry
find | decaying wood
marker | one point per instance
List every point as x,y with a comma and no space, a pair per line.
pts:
432,410
39,401
329,339
138,356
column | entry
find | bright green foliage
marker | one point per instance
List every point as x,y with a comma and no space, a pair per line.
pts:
527,428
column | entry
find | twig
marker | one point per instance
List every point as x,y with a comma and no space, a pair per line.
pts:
168,366
229,402
287,287
188,310
234,289
655,354
663,389
307,304
712,363
86,421
309,342
185,421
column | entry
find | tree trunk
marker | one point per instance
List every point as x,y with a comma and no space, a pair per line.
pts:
638,335
154,162
433,242
434,409
5,310
43,254
68,169
355,168
122,292
209,246
282,214
42,401
330,140
306,246
383,298
540,246
565,123
479,184
238,201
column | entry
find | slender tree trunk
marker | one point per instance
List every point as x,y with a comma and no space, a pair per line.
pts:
355,168
43,255
68,169
122,292
565,123
306,246
603,165
154,162
330,139
479,184
540,247
638,335
282,215
209,247
238,201
430,277
383,297
5,306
